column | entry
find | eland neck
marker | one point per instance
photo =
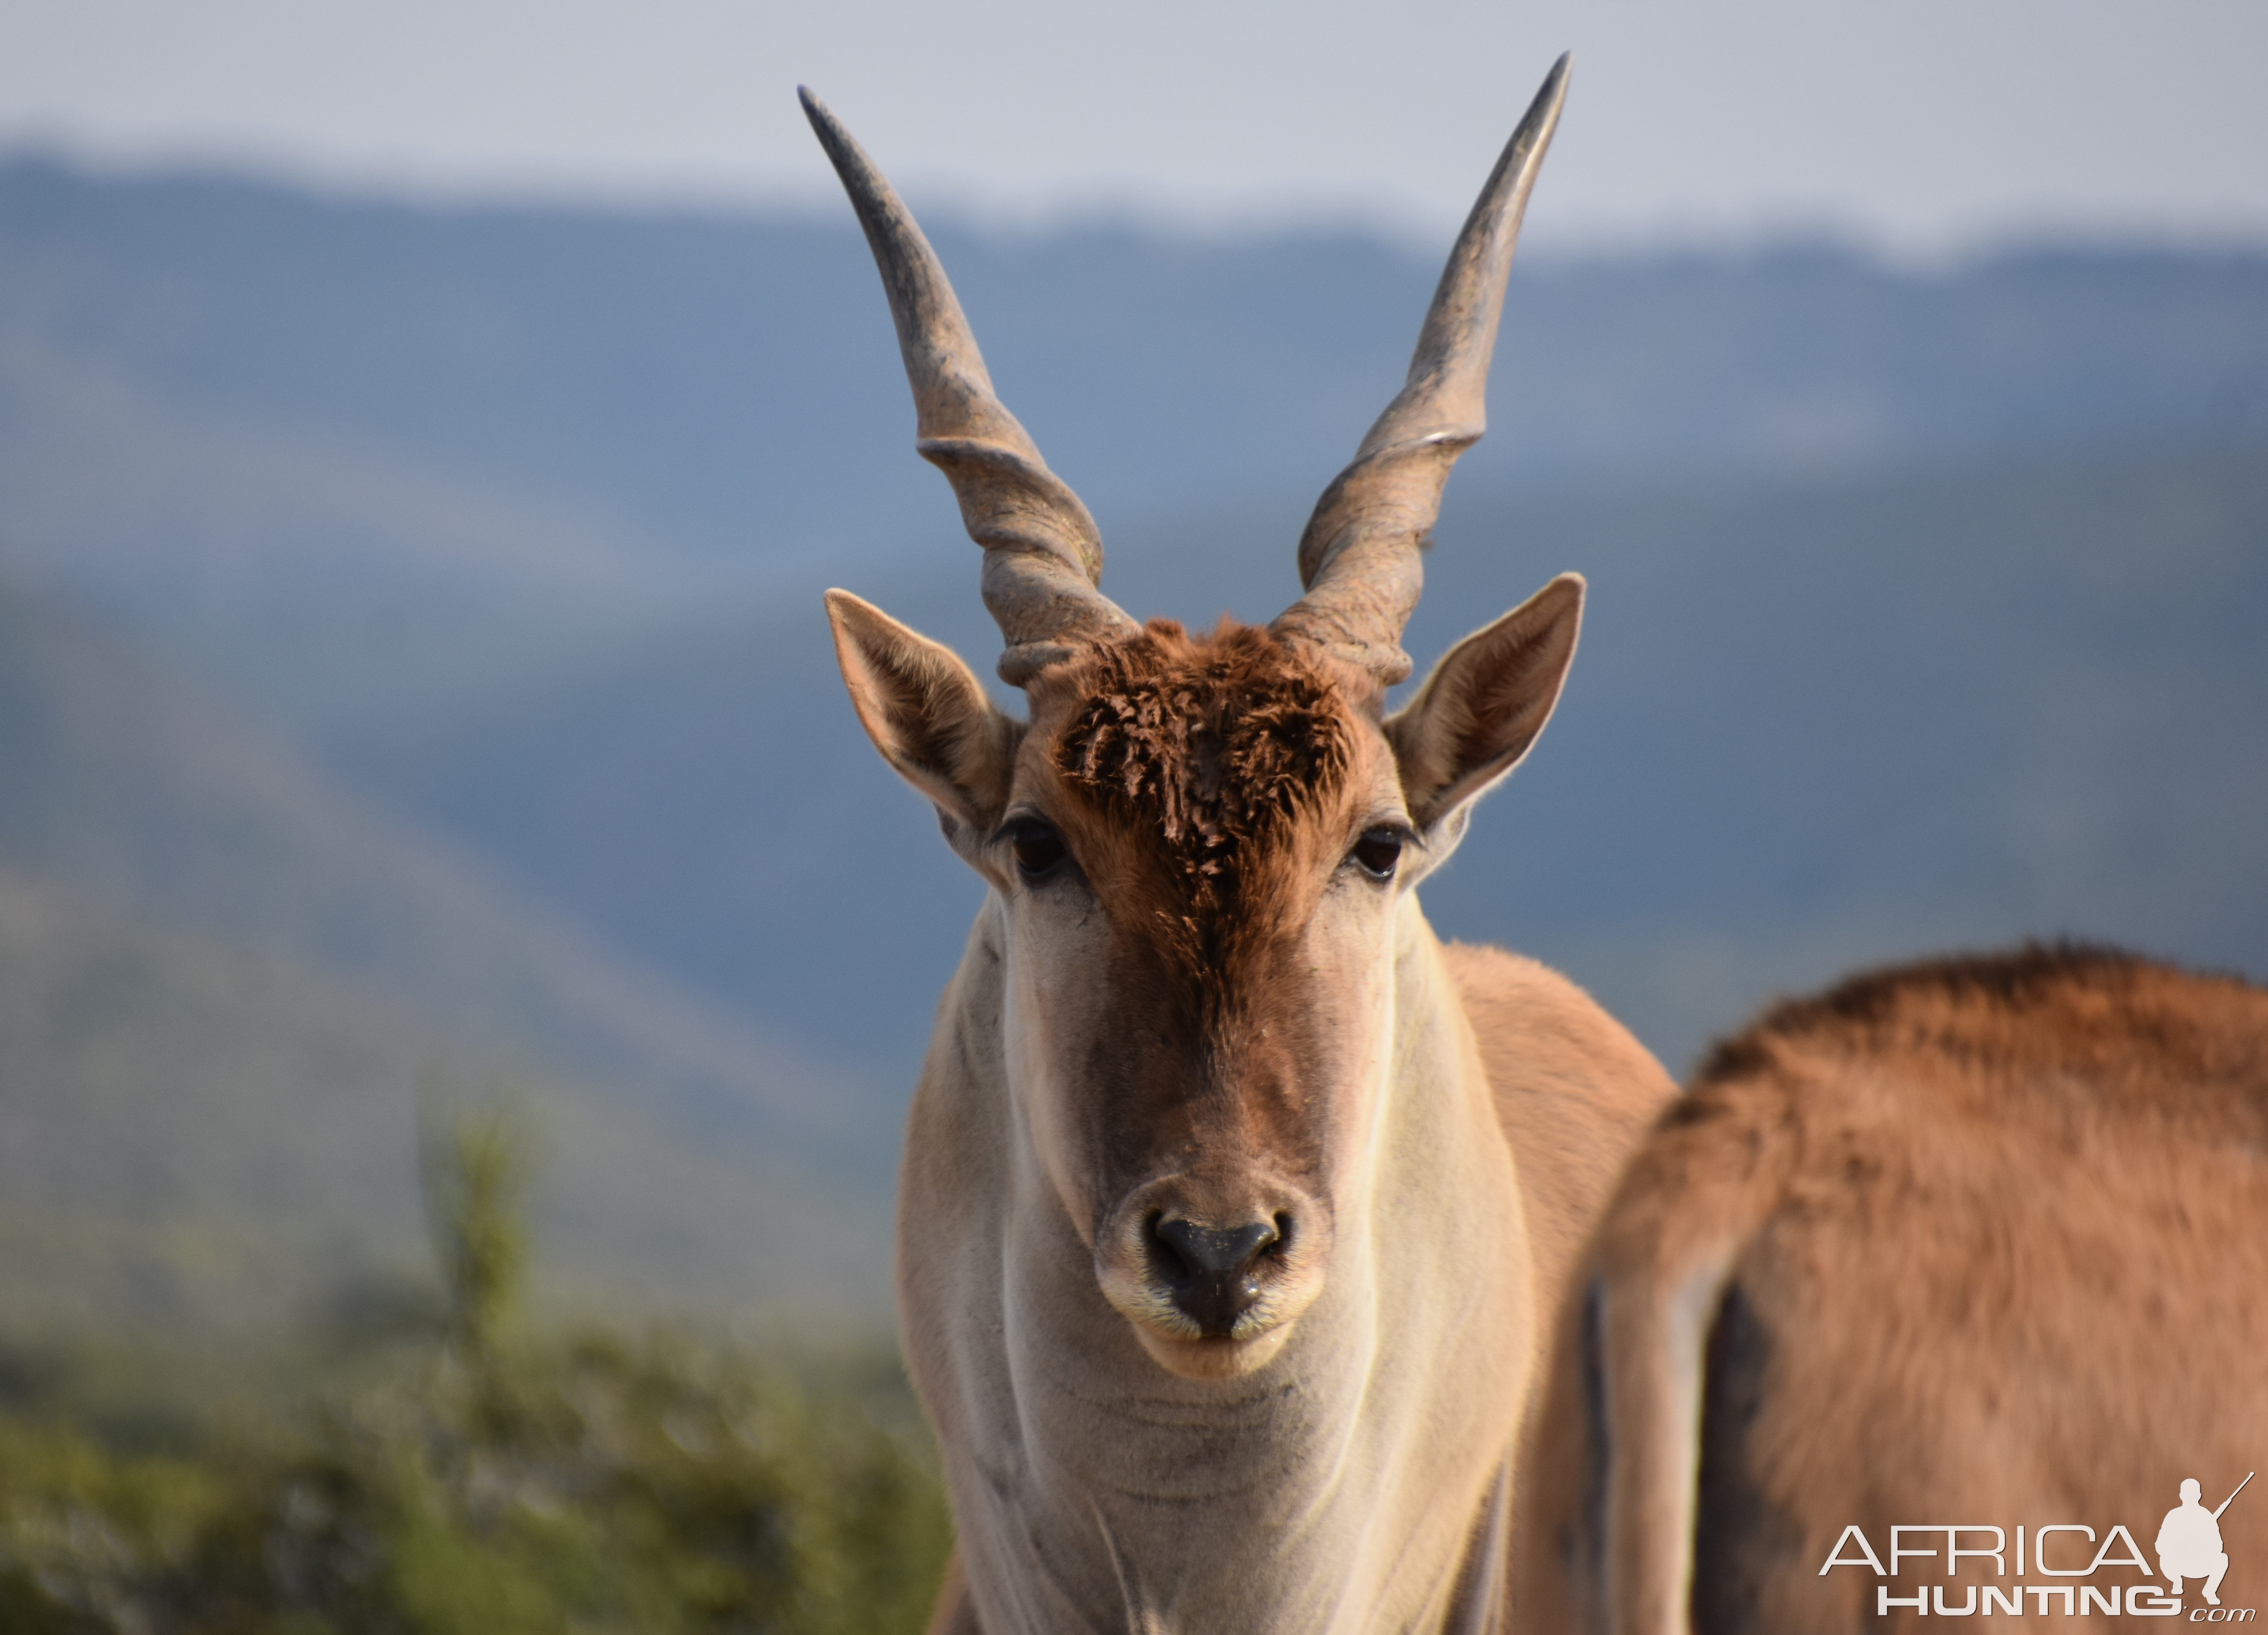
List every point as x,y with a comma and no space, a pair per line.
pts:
1338,1487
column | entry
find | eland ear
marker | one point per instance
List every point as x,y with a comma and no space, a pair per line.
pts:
1484,703
928,715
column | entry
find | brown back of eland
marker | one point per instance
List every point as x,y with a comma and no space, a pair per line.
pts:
1981,1243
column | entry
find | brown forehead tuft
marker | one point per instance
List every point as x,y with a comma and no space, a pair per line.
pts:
1218,741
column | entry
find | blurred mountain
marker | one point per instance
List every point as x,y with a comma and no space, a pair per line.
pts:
1926,610
224,981
1811,725
1821,723
719,393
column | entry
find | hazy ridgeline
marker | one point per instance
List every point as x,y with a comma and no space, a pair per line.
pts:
411,664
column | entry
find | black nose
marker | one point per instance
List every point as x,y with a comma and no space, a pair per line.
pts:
1215,1272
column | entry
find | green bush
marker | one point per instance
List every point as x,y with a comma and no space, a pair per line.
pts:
657,1483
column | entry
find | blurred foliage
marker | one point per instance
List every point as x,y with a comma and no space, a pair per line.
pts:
475,1163
487,1483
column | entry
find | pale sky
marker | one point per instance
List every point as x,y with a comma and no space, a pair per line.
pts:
1921,126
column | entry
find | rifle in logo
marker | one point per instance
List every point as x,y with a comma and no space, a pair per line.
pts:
2232,1497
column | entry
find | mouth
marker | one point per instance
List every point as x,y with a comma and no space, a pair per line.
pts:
1225,1358
1201,1316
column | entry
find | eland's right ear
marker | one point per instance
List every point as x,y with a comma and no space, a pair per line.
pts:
928,715
1483,705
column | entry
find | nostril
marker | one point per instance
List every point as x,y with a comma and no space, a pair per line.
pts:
1214,1251
1217,1274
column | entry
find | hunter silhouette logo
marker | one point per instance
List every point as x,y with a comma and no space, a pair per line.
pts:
2189,1542
2188,1548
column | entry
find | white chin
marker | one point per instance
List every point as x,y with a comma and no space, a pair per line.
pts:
1212,1359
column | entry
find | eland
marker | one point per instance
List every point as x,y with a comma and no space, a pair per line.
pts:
1233,1198
1979,1245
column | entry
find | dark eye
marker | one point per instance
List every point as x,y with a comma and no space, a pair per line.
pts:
1377,853
1038,848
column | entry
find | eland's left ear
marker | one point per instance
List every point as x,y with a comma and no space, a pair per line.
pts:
1484,703
928,715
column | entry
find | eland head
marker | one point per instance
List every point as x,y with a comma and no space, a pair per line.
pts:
1198,839
1217,1269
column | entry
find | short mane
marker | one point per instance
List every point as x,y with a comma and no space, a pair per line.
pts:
1950,999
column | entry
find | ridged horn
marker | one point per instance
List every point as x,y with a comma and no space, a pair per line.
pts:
1042,552
1360,556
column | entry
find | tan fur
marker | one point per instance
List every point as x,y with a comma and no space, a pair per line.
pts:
1213,1011
1980,1240
1215,1268
1574,1092
1216,743
1209,771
